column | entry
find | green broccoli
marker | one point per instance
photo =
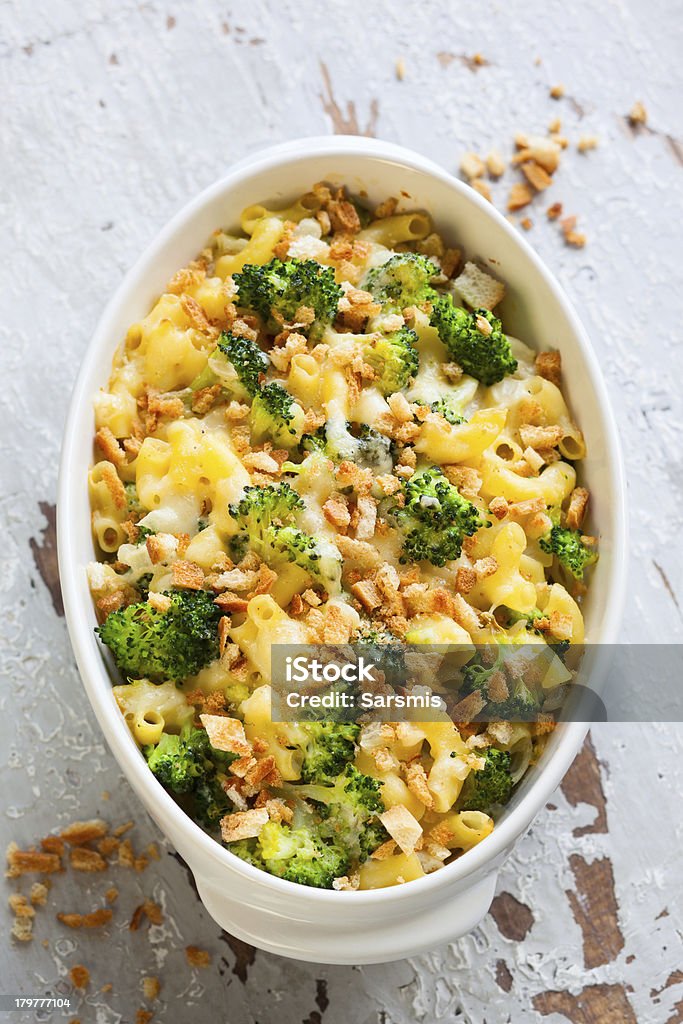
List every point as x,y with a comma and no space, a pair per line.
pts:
329,748
383,649
394,359
133,506
489,787
435,518
358,442
316,555
349,808
486,356
188,764
262,507
404,280
442,407
159,645
568,547
211,802
250,362
275,414
237,363
279,289
264,519
521,704
300,854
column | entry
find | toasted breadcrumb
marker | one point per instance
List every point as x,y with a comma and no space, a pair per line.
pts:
472,166
554,211
143,1016
151,986
637,115
197,957
586,143
94,919
526,223
536,175
80,976
557,92
83,859
520,196
495,164
38,894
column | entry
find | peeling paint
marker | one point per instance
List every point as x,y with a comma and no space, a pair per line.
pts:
244,955
583,784
596,1004
45,556
595,909
345,123
514,918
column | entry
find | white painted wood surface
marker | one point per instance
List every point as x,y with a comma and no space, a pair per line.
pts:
114,114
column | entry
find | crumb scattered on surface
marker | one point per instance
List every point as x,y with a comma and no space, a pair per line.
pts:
637,116
197,957
557,91
400,69
80,976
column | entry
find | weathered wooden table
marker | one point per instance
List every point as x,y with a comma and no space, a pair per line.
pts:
114,114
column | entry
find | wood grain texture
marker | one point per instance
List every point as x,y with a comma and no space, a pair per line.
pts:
114,115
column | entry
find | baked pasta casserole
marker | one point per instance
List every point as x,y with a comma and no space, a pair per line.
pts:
321,434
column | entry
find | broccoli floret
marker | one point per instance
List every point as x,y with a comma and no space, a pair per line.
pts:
159,645
484,356
435,518
211,802
394,359
569,549
278,290
133,506
383,649
442,407
275,414
358,442
489,787
189,764
375,450
330,746
237,363
300,855
264,518
521,705
402,281
317,556
348,807
262,507
250,362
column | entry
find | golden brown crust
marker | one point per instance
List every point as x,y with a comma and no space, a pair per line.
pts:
94,919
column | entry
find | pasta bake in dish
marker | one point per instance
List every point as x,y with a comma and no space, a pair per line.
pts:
321,434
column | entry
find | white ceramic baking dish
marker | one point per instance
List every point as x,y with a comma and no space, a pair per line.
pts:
276,915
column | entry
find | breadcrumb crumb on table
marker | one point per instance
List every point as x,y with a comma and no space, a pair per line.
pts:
94,919
586,143
557,91
80,976
637,116
197,957
151,986
520,196
472,166
495,164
